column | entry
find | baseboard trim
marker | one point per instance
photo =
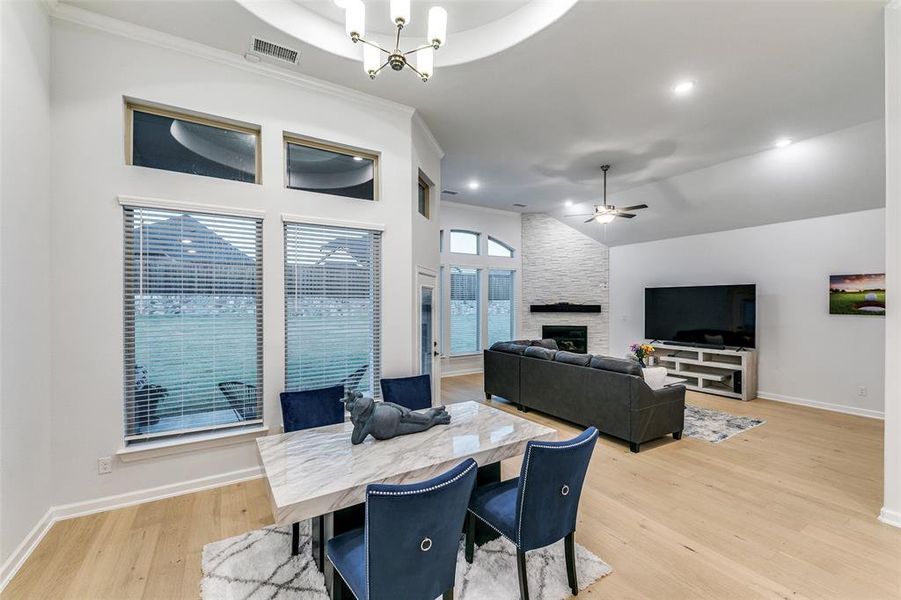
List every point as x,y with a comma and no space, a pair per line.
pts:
457,373
88,507
18,557
890,517
839,408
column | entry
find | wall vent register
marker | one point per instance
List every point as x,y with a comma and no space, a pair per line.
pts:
273,50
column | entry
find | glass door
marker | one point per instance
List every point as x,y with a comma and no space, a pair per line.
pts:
427,344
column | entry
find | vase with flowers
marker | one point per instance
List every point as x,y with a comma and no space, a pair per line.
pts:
641,352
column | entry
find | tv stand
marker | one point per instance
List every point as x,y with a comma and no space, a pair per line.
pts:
721,371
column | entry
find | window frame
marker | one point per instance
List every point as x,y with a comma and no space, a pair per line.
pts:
317,144
423,184
513,300
477,234
163,443
480,326
490,239
132,105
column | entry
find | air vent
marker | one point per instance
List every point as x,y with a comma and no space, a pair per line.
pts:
520,205
449,192
275,51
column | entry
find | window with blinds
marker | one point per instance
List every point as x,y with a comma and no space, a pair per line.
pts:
464,310
332,307
193,322
500,305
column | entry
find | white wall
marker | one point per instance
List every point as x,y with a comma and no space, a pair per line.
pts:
25,414
502,225
806,355
92,71
891,511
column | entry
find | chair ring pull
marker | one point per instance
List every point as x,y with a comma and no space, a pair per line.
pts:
425,545
565,490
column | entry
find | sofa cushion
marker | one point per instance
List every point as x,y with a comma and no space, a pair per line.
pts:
540,352
508,347
546,343
522,342
571,358
617,365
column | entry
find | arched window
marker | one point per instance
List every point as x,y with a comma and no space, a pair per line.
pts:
464,242
499,248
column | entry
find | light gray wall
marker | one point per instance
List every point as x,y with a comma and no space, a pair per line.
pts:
560,264
806,355
25,477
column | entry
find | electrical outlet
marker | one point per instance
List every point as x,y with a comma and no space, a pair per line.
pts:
862,390
104,465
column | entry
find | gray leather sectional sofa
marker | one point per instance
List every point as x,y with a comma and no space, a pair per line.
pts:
609,393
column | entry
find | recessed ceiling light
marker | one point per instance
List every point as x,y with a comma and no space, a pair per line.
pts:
683,88
358,158
473,185
568,203
782,142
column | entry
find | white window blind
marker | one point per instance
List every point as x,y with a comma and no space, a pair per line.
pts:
332,307
464,310
500,305
193,322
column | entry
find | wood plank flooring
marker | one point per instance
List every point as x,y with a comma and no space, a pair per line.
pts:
786,510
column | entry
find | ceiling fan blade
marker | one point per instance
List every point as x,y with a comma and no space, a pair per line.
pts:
636,207
625,215
590,220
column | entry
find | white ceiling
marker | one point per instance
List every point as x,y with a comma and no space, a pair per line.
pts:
534,122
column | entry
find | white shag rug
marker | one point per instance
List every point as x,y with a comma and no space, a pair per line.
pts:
259,566
715,426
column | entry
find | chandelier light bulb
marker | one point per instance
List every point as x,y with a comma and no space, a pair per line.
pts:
400,12
437,26
425,61
605,218
371,60
355,19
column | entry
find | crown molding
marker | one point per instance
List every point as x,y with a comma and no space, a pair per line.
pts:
87,18
419,122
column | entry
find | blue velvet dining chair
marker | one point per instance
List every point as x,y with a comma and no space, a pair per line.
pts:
412,392
408,545
307,409
539,507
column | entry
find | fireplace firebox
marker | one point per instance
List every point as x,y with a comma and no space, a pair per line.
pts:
572,338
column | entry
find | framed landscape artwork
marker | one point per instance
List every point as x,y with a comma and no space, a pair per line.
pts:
862,294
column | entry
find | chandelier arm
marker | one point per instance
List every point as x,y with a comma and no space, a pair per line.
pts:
374,45
376,72
415,50
415,70
400,26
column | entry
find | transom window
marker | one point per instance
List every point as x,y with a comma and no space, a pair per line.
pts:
193,322
174,141
328,169
499,248
423,198
464,242
332,307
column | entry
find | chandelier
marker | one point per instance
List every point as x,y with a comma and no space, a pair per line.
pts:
374,54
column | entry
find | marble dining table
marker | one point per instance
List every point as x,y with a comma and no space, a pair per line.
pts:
318,474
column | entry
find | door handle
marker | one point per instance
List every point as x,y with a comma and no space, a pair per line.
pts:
436,353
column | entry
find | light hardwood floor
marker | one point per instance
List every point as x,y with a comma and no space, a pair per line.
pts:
786,510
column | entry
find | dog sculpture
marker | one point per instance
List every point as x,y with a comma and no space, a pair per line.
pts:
385,420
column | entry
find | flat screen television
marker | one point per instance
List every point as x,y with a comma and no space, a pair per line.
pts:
709,315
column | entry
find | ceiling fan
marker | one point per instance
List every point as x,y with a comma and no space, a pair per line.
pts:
605,213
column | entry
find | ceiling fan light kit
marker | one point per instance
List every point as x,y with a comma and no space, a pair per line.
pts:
373,54
606,213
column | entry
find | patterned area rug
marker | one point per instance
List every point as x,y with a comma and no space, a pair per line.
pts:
258,565
715,426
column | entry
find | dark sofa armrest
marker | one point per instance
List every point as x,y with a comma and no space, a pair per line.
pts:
648,397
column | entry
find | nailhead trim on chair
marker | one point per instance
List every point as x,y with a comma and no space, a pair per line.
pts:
525,475
404,493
